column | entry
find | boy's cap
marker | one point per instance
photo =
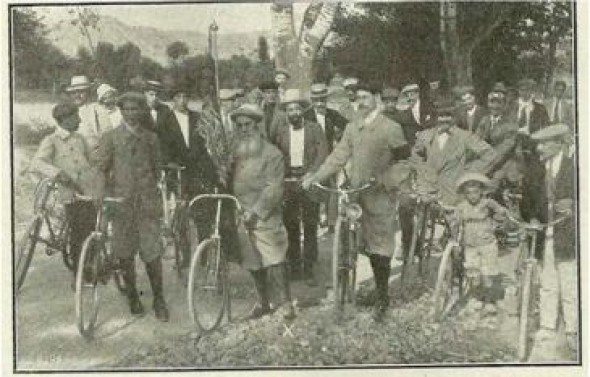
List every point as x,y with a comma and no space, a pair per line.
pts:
63,110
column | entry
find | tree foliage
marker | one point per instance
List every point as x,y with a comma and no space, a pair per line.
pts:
177,50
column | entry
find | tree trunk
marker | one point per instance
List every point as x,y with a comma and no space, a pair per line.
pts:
295,53
550,65
457,58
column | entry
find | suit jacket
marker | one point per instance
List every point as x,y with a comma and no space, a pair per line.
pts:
535,204
200,174
334,127
471,124
566,112
502,137
409,125
538,119
315,147
462,152
93,123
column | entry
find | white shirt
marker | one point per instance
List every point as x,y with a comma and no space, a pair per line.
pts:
154,114
416,111
115,117
321,120
494,120
296,146
553,164
183,123
442,139
528,107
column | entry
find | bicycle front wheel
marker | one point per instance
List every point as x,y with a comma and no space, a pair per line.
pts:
442,290
25,251
88,284
523,331
207,286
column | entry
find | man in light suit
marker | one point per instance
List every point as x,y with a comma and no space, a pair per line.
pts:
560,110
532,116
304,148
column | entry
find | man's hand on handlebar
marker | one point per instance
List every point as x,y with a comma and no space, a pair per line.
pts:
308,180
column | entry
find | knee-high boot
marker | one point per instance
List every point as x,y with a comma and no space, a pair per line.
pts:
263,305
280,278
154,271
129,276
381,269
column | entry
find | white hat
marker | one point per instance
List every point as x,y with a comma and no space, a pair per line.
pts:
79,83
411,88
294,95
350,81
249,110
104,89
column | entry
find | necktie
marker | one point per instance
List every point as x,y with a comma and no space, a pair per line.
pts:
556,111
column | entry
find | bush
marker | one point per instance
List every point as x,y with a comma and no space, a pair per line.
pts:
31,133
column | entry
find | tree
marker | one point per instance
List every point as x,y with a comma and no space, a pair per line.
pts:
296,52
176,51
263,55
85,19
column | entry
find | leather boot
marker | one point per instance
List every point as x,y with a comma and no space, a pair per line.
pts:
281,281
154,271
381,270
129,276
262,307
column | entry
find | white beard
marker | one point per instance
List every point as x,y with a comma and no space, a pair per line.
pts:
248,147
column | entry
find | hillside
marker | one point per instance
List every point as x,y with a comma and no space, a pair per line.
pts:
151,41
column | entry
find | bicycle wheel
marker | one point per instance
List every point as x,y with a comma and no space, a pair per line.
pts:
523,330
25,251
353,256
207,286
442,290
67,255
340,235
88,284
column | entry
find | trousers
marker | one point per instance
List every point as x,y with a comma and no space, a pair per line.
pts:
297,209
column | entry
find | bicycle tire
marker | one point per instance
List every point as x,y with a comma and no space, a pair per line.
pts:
443,282
90,264
336,246
523,330
207,286
25,252
67,255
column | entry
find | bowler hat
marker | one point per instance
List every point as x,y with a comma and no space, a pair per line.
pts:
153,85
249,110
79,83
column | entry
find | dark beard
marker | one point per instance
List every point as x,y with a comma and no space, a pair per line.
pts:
247,147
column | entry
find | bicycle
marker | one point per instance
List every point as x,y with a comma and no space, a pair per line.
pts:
176,221
50,227
525,271
424,223
451,275
96,266
347,242
208,281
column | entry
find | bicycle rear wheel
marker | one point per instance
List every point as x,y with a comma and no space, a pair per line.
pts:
443,287
88,284
25,252
523,330
207,286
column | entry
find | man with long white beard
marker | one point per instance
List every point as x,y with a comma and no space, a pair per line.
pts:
257,173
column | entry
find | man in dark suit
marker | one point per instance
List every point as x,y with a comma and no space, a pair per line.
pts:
550,193
184,145
416,117
331,121
498,129
471,113
270,106
389,97
304,148
532,116
560,110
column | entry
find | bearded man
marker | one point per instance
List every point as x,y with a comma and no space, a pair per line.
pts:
257,174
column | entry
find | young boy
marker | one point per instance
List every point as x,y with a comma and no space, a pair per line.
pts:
64,156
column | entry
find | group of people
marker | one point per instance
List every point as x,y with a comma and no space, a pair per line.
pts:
269,146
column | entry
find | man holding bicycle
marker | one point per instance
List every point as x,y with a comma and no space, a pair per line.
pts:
64,156
372,143
549,194
130,156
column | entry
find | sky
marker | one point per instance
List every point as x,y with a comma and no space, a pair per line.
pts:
242,17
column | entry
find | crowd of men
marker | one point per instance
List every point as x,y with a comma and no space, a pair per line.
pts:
269,146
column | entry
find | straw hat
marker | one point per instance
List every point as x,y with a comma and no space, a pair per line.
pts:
78,83
474,177
104,89
249,110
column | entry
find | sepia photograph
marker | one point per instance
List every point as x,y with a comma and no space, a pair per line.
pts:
293,185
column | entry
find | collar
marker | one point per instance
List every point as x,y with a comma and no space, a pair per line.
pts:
63,134
369,119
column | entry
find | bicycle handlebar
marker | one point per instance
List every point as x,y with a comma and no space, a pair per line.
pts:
345,191
536,227
106,199
216,197
172,166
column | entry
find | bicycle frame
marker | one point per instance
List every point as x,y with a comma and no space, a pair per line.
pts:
55,242
176,197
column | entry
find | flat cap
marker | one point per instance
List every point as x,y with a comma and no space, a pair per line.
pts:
249,110
555,131
63,110
136,97
319,90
